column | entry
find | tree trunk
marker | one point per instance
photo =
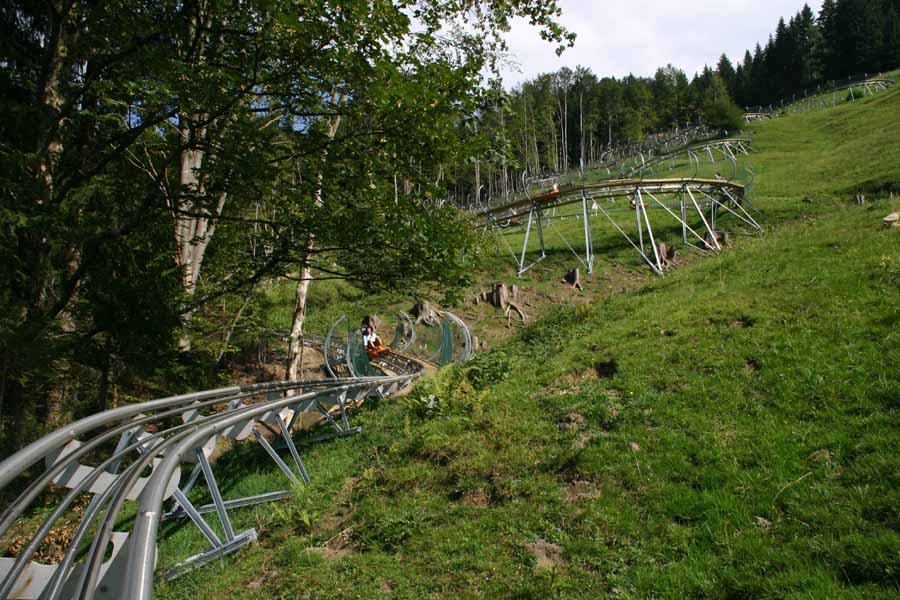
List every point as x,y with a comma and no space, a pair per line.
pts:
195,224
295,346
476,195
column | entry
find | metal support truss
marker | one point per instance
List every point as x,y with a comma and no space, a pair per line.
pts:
146,439
534,215
588,236
697,206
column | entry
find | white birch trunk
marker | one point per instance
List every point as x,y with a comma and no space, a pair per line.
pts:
295,345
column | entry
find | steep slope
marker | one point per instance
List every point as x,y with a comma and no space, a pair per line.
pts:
731,430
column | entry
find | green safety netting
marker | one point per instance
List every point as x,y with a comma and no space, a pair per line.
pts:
446,350
359,358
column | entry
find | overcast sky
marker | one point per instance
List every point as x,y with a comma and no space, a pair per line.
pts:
618,37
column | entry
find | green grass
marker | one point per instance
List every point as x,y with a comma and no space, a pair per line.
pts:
728,431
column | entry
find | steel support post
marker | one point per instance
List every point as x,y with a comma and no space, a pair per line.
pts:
540,218
286,434
198,560
274,455
649,231
683,216
232,504
525,243
637,215
588,235
197,519
216,493
338,430
712,234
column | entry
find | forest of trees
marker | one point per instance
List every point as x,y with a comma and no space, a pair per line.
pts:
561,121
848,38
162,162
565,120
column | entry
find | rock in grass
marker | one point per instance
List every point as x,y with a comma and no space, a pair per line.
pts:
892,220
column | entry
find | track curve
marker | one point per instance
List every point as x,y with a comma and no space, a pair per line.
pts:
165,435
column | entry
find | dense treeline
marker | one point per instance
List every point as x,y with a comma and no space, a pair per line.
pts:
161,162
849,38
571,119
561,121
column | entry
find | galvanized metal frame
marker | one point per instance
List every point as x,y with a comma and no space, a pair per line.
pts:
236,420
703,198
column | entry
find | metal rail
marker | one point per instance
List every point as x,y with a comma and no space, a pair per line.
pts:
164,435
715,196
820,98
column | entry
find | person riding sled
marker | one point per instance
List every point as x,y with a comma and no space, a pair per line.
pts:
374,346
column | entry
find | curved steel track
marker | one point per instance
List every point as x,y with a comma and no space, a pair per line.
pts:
164,435
696,205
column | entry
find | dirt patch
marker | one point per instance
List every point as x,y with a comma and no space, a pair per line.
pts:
547,555
330,553
337,547
581,490
477,498
571,422
583,440
613,394
343,508
752,365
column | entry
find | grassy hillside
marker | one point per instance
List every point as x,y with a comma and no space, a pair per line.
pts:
728,431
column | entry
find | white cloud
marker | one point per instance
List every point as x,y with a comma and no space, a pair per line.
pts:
618,37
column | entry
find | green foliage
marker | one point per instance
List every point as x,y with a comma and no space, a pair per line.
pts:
849,39
750,451
489,368
262,137
459,389
446,393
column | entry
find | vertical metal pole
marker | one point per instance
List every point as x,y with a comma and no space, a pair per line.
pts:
588,242
709,230
342,403
216,494
271,451
525,243
683,216
540,218
637,214
197,518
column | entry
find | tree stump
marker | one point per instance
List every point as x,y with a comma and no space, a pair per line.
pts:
721,237
671,254
500,296
371,321
424,313
662,252
573,278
